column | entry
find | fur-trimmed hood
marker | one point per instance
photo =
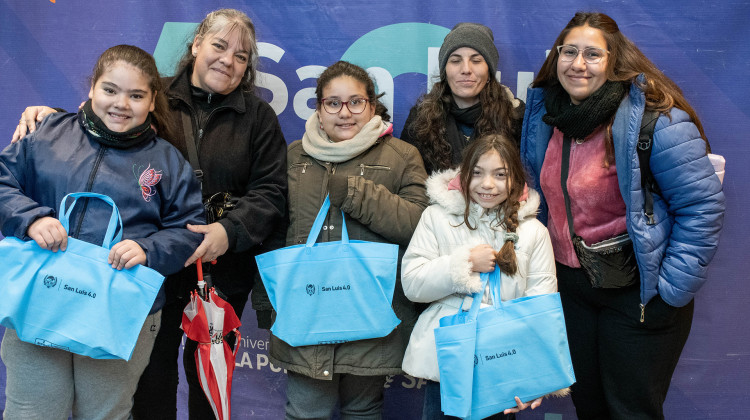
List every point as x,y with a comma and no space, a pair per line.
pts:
453,201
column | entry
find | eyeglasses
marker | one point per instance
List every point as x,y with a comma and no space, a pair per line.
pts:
334,105
591,55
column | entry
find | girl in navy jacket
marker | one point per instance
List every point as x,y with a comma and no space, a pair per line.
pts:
110,147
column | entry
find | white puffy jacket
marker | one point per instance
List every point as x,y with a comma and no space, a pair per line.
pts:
436,265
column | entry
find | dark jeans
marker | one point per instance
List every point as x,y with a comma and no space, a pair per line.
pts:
432,411
156,396
358,397
623,366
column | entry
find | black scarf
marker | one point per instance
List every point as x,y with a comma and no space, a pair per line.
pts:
578,121
99,131
454,136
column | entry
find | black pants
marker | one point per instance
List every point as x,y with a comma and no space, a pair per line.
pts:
156,396
623,366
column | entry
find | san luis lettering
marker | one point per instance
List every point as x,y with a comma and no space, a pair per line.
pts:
488,357
335,288
80,291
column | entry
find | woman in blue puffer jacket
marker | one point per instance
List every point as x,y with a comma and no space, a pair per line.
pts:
587,104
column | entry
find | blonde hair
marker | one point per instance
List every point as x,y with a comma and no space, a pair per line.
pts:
227,20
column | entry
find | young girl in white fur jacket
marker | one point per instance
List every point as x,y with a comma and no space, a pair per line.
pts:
479,216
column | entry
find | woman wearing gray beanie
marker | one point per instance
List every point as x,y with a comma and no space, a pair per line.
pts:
465,103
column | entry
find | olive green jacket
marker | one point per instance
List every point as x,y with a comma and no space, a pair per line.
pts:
382,192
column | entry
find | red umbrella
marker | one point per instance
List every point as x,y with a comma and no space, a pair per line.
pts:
204,320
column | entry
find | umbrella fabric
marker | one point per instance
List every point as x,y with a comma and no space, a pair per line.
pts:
205,321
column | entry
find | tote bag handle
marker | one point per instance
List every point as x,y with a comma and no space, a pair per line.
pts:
115,221
318,225
493,278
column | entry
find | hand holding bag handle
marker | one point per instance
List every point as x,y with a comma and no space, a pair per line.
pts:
115,221
74,300
331,292
318,225
520,349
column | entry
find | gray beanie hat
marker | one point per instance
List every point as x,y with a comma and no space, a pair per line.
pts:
472,35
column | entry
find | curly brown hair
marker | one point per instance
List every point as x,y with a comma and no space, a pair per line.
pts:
507,211
432,109
626,63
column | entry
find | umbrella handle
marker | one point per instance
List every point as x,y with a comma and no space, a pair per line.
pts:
201,282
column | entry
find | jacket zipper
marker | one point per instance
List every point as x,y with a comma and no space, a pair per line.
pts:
643,312
200,129
362,167
89,185
304,166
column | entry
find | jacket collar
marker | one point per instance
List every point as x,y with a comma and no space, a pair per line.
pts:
453,201
179,89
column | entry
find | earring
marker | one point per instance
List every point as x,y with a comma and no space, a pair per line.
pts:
321,126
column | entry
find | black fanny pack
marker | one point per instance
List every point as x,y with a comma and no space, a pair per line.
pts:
217,205
608,264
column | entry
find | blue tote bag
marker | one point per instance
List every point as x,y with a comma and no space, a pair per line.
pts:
73,300
330,292
519,348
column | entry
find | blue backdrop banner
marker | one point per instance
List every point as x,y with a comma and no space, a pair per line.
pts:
48,49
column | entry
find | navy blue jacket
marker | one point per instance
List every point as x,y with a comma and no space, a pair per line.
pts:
673,254
61,158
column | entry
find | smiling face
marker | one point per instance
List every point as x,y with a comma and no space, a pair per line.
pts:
578,78
490,183
121,97
467,74
220,61
344,125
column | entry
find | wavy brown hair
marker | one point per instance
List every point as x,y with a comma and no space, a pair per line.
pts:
507,211
432,109
227,20
345,68
625,63
161,118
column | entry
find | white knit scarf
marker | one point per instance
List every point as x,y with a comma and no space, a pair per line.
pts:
316,143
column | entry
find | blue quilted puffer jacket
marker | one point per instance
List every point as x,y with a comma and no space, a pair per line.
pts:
674,253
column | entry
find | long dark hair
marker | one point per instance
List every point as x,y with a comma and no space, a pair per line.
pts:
432,108
625,63
161,118
229,20
507,211
345,68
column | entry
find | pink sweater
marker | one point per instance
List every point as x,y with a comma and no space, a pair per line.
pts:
595,202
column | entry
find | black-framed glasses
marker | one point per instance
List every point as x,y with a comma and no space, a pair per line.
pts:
591,55
334,105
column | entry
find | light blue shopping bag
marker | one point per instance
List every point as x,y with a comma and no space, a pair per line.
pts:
74,300
488,356
331,292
